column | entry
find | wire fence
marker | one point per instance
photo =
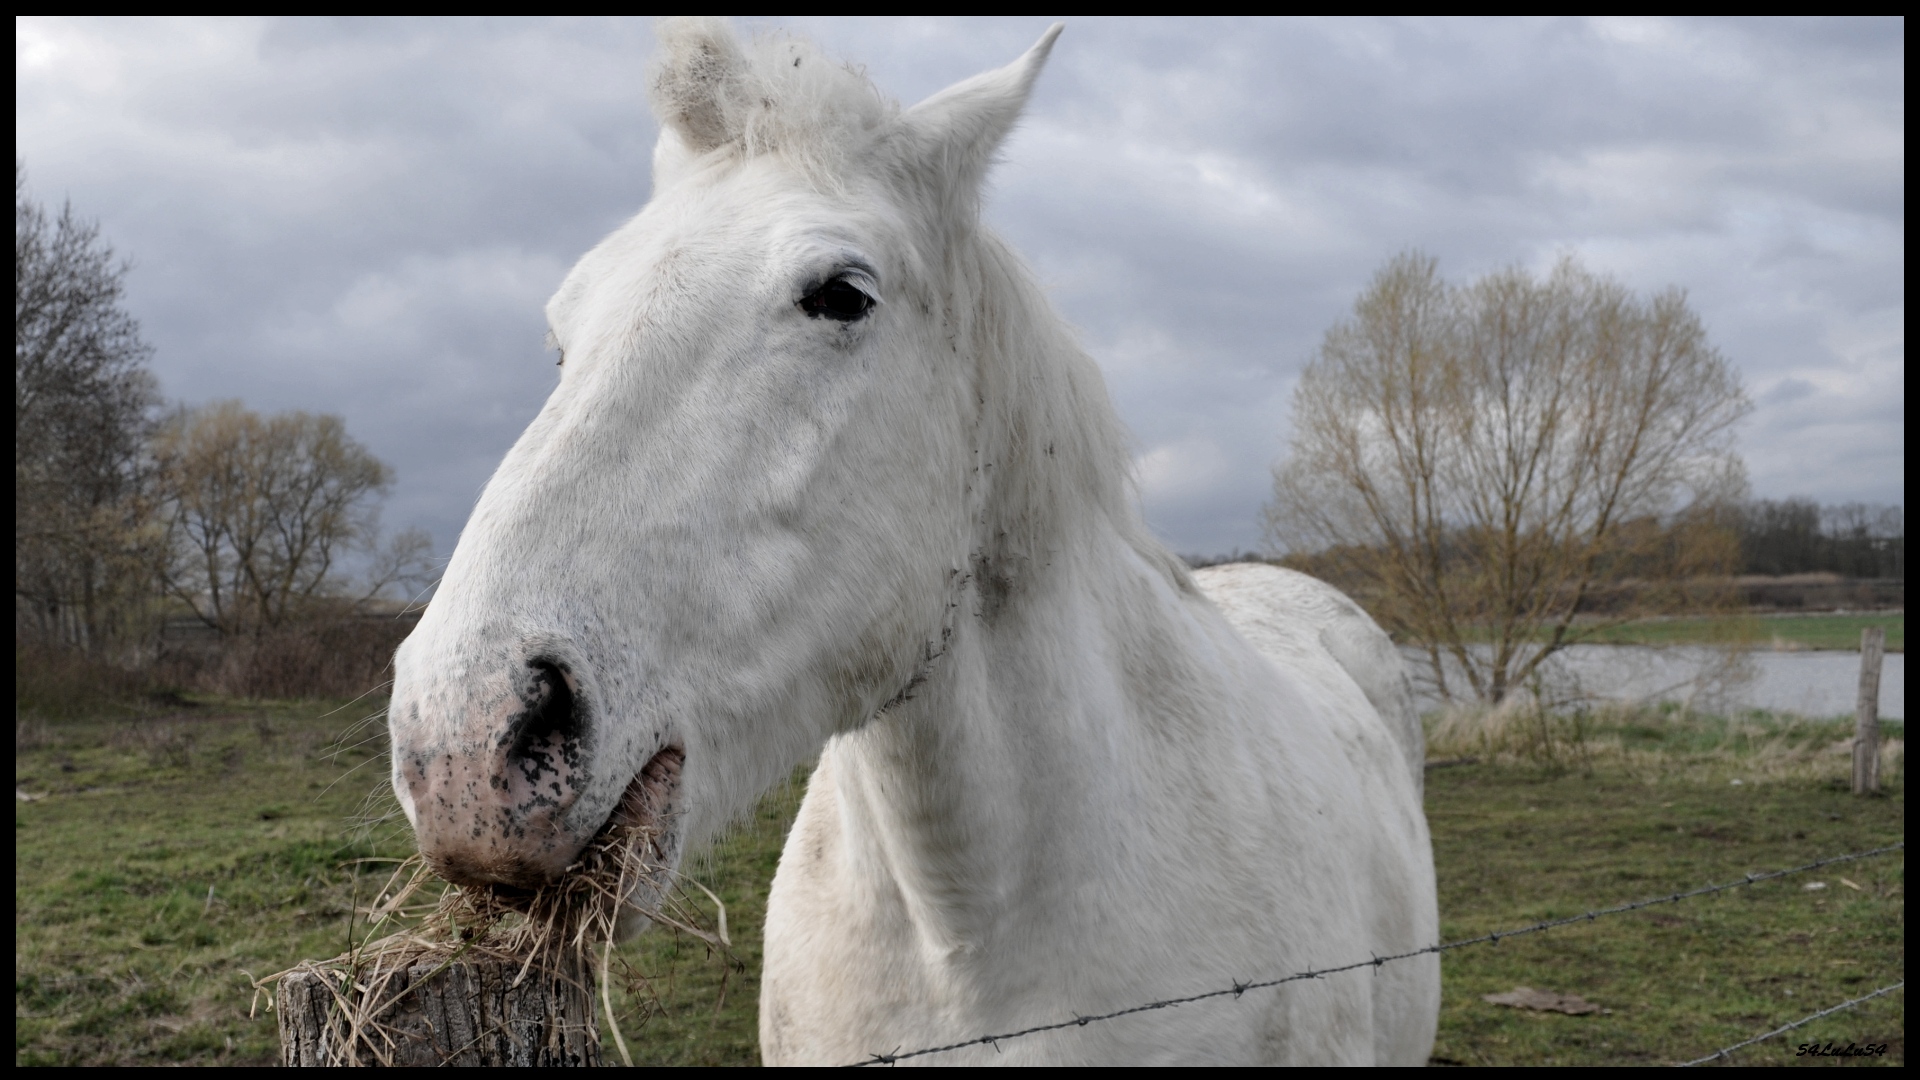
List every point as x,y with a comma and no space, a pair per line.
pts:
1236,989
1723,1054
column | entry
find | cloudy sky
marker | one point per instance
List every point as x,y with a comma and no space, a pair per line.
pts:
366,217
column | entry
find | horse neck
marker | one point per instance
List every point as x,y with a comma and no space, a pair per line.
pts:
1021,754
1019,765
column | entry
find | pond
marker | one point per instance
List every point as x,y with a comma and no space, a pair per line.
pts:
1807,683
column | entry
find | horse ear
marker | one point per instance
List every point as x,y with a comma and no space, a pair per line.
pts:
695,81
952,135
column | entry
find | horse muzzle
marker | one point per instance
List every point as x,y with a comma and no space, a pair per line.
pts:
501,788
493,799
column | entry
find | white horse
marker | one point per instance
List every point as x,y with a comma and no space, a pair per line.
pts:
824,474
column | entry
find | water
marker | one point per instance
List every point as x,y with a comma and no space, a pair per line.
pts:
1811,683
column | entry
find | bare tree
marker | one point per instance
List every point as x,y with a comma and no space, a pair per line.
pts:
83,402
1480,464
263,513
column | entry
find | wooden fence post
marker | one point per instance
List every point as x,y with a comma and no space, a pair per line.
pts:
451,1014
1866,714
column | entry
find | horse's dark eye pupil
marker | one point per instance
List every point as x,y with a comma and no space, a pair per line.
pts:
836,300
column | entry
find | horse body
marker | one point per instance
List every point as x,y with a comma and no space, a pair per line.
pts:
824,469
1028,840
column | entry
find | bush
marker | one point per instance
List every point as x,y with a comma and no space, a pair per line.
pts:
1518,729
338,654
335,654
56,682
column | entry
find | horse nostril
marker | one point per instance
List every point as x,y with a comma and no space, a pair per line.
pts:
548,695
545,738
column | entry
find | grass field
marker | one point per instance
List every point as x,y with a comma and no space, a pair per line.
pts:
1765,631
1678,981
163,859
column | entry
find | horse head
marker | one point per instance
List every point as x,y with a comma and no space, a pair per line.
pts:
740,522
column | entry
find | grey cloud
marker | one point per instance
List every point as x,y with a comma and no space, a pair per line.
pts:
367,216
1789,390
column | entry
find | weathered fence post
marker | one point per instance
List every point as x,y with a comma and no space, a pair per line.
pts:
447,1014
1866,715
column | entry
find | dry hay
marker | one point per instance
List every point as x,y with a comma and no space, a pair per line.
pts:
549,935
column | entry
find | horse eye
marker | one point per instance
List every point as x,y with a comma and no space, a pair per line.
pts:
837,300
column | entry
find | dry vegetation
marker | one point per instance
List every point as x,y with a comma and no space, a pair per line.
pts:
1656,743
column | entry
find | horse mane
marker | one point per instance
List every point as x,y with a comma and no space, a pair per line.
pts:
1054,449
1058,453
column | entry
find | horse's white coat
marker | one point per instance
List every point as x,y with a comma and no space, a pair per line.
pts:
1058,777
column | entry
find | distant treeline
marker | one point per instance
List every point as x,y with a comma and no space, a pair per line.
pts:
1786,536
1799,536
133,519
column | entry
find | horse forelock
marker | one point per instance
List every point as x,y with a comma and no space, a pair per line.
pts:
774,93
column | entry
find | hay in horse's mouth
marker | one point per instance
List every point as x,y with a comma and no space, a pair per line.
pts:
651,801
623,876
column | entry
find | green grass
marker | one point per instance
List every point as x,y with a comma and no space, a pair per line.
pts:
173,855
169,857
1776,631
1517,845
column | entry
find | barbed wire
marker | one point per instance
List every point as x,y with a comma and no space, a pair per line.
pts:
1802,1022
1239,988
